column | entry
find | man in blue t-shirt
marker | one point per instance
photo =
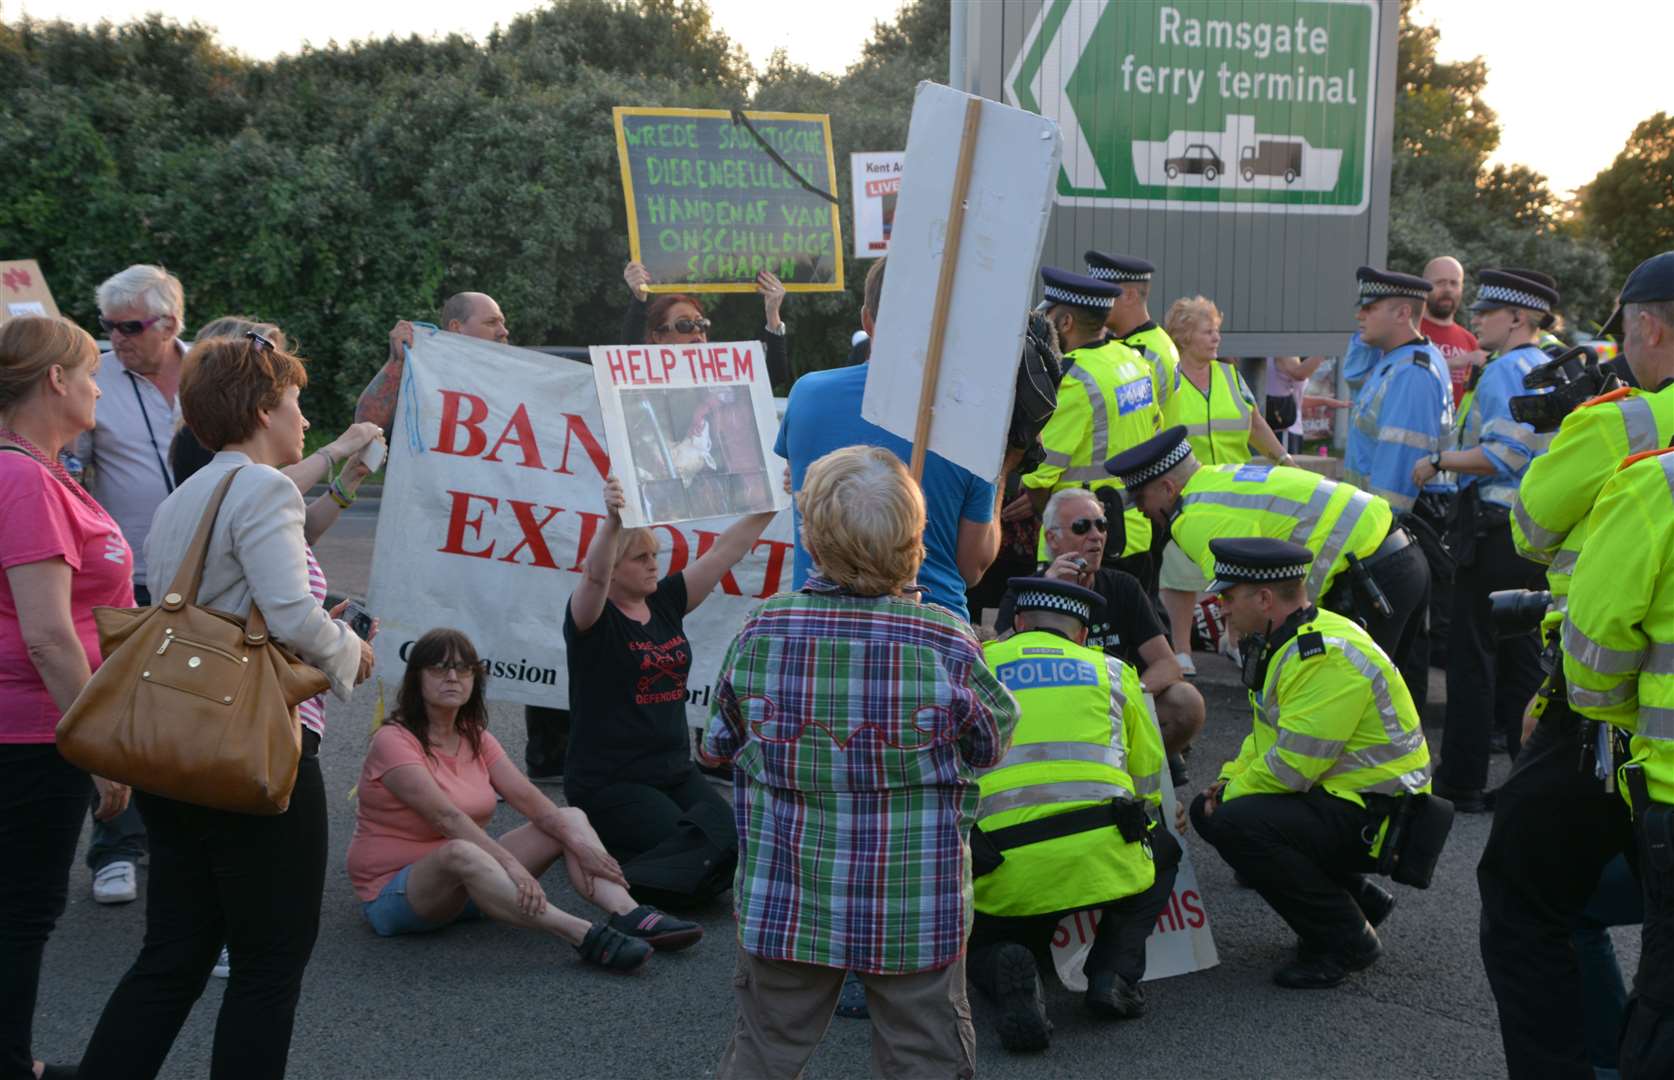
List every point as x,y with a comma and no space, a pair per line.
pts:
961,532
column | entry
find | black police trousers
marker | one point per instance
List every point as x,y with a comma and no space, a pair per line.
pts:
1555,828
1489,680
1648,1034
1404,577
1305,854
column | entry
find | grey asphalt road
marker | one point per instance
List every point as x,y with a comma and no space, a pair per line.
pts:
482,1000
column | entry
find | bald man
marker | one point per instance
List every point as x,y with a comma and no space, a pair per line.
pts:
1458,345
473,314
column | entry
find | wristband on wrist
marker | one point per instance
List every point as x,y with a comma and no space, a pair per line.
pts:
339,496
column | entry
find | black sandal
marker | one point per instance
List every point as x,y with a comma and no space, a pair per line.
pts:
613,950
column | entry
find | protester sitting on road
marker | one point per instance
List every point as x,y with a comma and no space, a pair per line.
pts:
252,882
678,319
62,555
1127,626
630,767
1222,421
855,718
420,858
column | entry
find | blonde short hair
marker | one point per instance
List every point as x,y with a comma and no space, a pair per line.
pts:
1188,312
31,345
629,541
863,520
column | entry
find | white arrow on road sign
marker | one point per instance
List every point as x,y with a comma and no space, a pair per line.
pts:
1062,54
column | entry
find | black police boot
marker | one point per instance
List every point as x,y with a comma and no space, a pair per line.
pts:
1108,994
1177,771
1375,901
1007,973
1313,970
1465,800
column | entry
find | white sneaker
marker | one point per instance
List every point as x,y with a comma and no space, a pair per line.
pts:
116,883
223,966
1187,667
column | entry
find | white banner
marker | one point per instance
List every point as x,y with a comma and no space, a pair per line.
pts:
1180,944
492,495
691,428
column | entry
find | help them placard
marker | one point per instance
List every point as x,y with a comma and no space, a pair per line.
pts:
1013,169
709,208
23,290
690,429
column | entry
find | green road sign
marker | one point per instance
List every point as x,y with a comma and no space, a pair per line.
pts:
1267,104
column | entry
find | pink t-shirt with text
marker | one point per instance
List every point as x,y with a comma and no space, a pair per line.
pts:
41,519
1454,341
389,834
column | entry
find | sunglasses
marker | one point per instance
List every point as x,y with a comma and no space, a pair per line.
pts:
685,326
129,327
1080,525
260,342
458,667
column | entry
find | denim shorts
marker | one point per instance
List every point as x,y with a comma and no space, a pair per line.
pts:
390,914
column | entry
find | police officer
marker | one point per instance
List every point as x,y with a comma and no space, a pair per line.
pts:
1365,565
1489,680
1557,821
1106,403
1404,410
1069,819
1302,810
1130,319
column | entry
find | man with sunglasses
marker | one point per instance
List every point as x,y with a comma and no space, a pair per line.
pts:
126,456
1125,625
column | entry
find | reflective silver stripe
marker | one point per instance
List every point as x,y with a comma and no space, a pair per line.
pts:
1564,561
1101,417
1286,773
1418,440
1033,753
1364,664
1655,723
1238,500
1499,494
1050,794
1335,541
1085,474
1590,654
1395,499
1659,659
1309,745
1411,783
1603,699
1512,431
1641,424
1235,386
1313,511
1057,460
1509,456
1561,604
1148,785
1381,755
1541,538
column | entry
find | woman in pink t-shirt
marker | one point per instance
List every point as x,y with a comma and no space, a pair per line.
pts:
63,556
420,858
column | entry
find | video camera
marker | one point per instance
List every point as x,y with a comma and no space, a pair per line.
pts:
1514,612
1574,376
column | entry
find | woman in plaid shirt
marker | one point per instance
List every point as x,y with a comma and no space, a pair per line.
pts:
855,718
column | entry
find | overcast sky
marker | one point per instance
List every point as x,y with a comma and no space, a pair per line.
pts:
1568,81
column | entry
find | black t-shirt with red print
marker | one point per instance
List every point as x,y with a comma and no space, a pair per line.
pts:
628,695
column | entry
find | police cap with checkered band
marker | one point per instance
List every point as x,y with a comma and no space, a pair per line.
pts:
1139,465
1256,560
1505,288
1050,594
1117,268
1063,288
1375,285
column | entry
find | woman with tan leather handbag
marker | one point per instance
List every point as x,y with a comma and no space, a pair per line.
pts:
251,880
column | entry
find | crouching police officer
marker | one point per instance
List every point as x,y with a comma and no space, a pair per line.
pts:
1324,788
1069,818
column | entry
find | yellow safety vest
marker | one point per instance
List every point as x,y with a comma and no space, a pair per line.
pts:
1158,350
1549,517
1332,712
1618,633
1217,423
1330,518
1106,404
1084,736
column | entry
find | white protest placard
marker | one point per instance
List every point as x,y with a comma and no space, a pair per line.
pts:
493,494
691,430
1181,942
874,187
1012,173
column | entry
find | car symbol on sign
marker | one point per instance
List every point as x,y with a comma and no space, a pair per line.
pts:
1198,159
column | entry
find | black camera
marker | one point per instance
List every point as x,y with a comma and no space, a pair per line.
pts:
1574,376
1517,611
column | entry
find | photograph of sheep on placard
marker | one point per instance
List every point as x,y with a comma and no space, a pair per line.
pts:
687,427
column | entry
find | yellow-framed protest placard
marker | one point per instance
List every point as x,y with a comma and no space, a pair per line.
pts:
709,207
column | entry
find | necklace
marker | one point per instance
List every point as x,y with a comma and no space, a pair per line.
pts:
52,465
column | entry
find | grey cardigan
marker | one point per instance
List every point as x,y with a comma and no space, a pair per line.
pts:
256,552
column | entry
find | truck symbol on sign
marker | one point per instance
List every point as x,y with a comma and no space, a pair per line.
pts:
1272,157
1198,159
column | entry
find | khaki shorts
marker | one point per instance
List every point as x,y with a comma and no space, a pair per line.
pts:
1179,572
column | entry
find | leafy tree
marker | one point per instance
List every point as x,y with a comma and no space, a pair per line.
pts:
1630,205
